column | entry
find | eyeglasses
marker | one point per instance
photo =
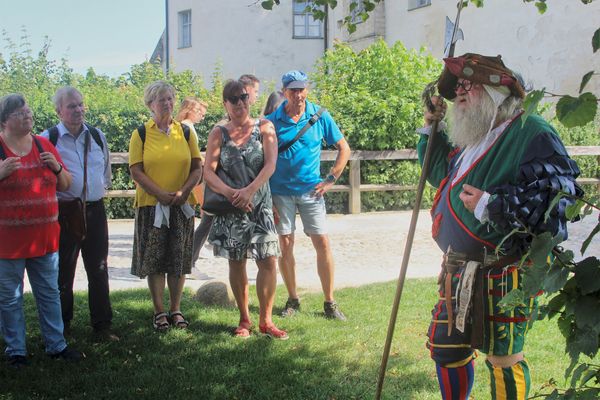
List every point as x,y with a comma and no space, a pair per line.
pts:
466,85
234,99
22,114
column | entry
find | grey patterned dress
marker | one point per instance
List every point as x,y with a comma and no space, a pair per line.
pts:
237,236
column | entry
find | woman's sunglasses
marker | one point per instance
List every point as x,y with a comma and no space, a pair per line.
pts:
234,99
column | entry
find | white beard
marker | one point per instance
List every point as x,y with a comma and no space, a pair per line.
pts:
470,125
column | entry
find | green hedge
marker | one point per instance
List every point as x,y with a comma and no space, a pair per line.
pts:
375,97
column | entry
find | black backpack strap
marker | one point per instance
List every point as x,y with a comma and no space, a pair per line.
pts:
186,132
2,153
96,136
53,134
313,120
142,132
38,144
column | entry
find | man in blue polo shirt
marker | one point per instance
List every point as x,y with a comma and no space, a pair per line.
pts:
297,185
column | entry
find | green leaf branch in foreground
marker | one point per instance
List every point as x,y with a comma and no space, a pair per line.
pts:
596,40
317,7
531,103
570,111
572,290
584,80
577,111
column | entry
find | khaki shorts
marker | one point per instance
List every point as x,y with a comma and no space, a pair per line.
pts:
311,209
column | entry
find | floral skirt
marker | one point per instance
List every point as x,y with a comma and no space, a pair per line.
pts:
238,236
162,250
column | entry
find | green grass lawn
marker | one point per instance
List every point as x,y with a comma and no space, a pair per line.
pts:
321,360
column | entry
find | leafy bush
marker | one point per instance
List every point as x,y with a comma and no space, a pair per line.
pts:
114,105
375,97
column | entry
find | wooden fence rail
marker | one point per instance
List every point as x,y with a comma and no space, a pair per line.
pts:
354,186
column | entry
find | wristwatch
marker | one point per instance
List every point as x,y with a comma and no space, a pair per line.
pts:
59,169
330,178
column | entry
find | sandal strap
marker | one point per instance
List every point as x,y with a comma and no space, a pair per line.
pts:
273,332
160,315
241,332
161,326
181,322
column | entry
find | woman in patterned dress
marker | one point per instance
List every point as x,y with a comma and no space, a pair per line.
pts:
249,233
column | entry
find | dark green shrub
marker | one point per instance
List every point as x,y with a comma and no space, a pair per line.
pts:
375,97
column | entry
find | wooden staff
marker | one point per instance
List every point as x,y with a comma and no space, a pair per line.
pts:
413,225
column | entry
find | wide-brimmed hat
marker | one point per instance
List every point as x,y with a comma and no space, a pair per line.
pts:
476,68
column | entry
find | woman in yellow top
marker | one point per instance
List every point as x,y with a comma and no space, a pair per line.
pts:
165,167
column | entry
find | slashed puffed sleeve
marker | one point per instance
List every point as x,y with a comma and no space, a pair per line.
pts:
545,170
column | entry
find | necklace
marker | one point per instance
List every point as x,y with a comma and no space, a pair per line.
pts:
22,153
13,148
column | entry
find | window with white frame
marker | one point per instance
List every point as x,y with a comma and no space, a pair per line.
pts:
413,4
356,11
185,28
305,26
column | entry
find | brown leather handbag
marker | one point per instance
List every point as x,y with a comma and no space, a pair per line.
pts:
71,216
71,213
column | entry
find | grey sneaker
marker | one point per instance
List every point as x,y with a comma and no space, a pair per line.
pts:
332,311
292,306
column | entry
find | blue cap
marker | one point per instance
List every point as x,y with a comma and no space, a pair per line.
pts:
294,80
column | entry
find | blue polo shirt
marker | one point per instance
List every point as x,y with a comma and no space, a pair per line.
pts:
298,168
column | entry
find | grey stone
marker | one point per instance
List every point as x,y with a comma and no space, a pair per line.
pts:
215,293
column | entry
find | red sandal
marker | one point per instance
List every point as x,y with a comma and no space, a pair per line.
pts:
243,330
273,332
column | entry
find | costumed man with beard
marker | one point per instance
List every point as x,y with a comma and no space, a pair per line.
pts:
493,174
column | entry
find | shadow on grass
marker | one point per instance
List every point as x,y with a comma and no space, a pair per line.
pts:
321,360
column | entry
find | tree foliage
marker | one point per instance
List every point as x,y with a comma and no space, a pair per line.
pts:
374,96
318,9
113,104
572,289
375,92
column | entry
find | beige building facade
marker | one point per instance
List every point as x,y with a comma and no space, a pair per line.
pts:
239,36
551,50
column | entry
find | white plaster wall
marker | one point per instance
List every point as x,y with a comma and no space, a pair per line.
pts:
551,50
366,32
241,37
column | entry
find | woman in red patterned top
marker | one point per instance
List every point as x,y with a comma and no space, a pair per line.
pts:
31,171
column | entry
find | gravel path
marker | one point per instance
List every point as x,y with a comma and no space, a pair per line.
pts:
367,248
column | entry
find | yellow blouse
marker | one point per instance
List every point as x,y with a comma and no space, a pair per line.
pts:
166,159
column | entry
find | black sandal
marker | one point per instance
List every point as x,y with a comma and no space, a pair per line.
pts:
182,323
160,326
